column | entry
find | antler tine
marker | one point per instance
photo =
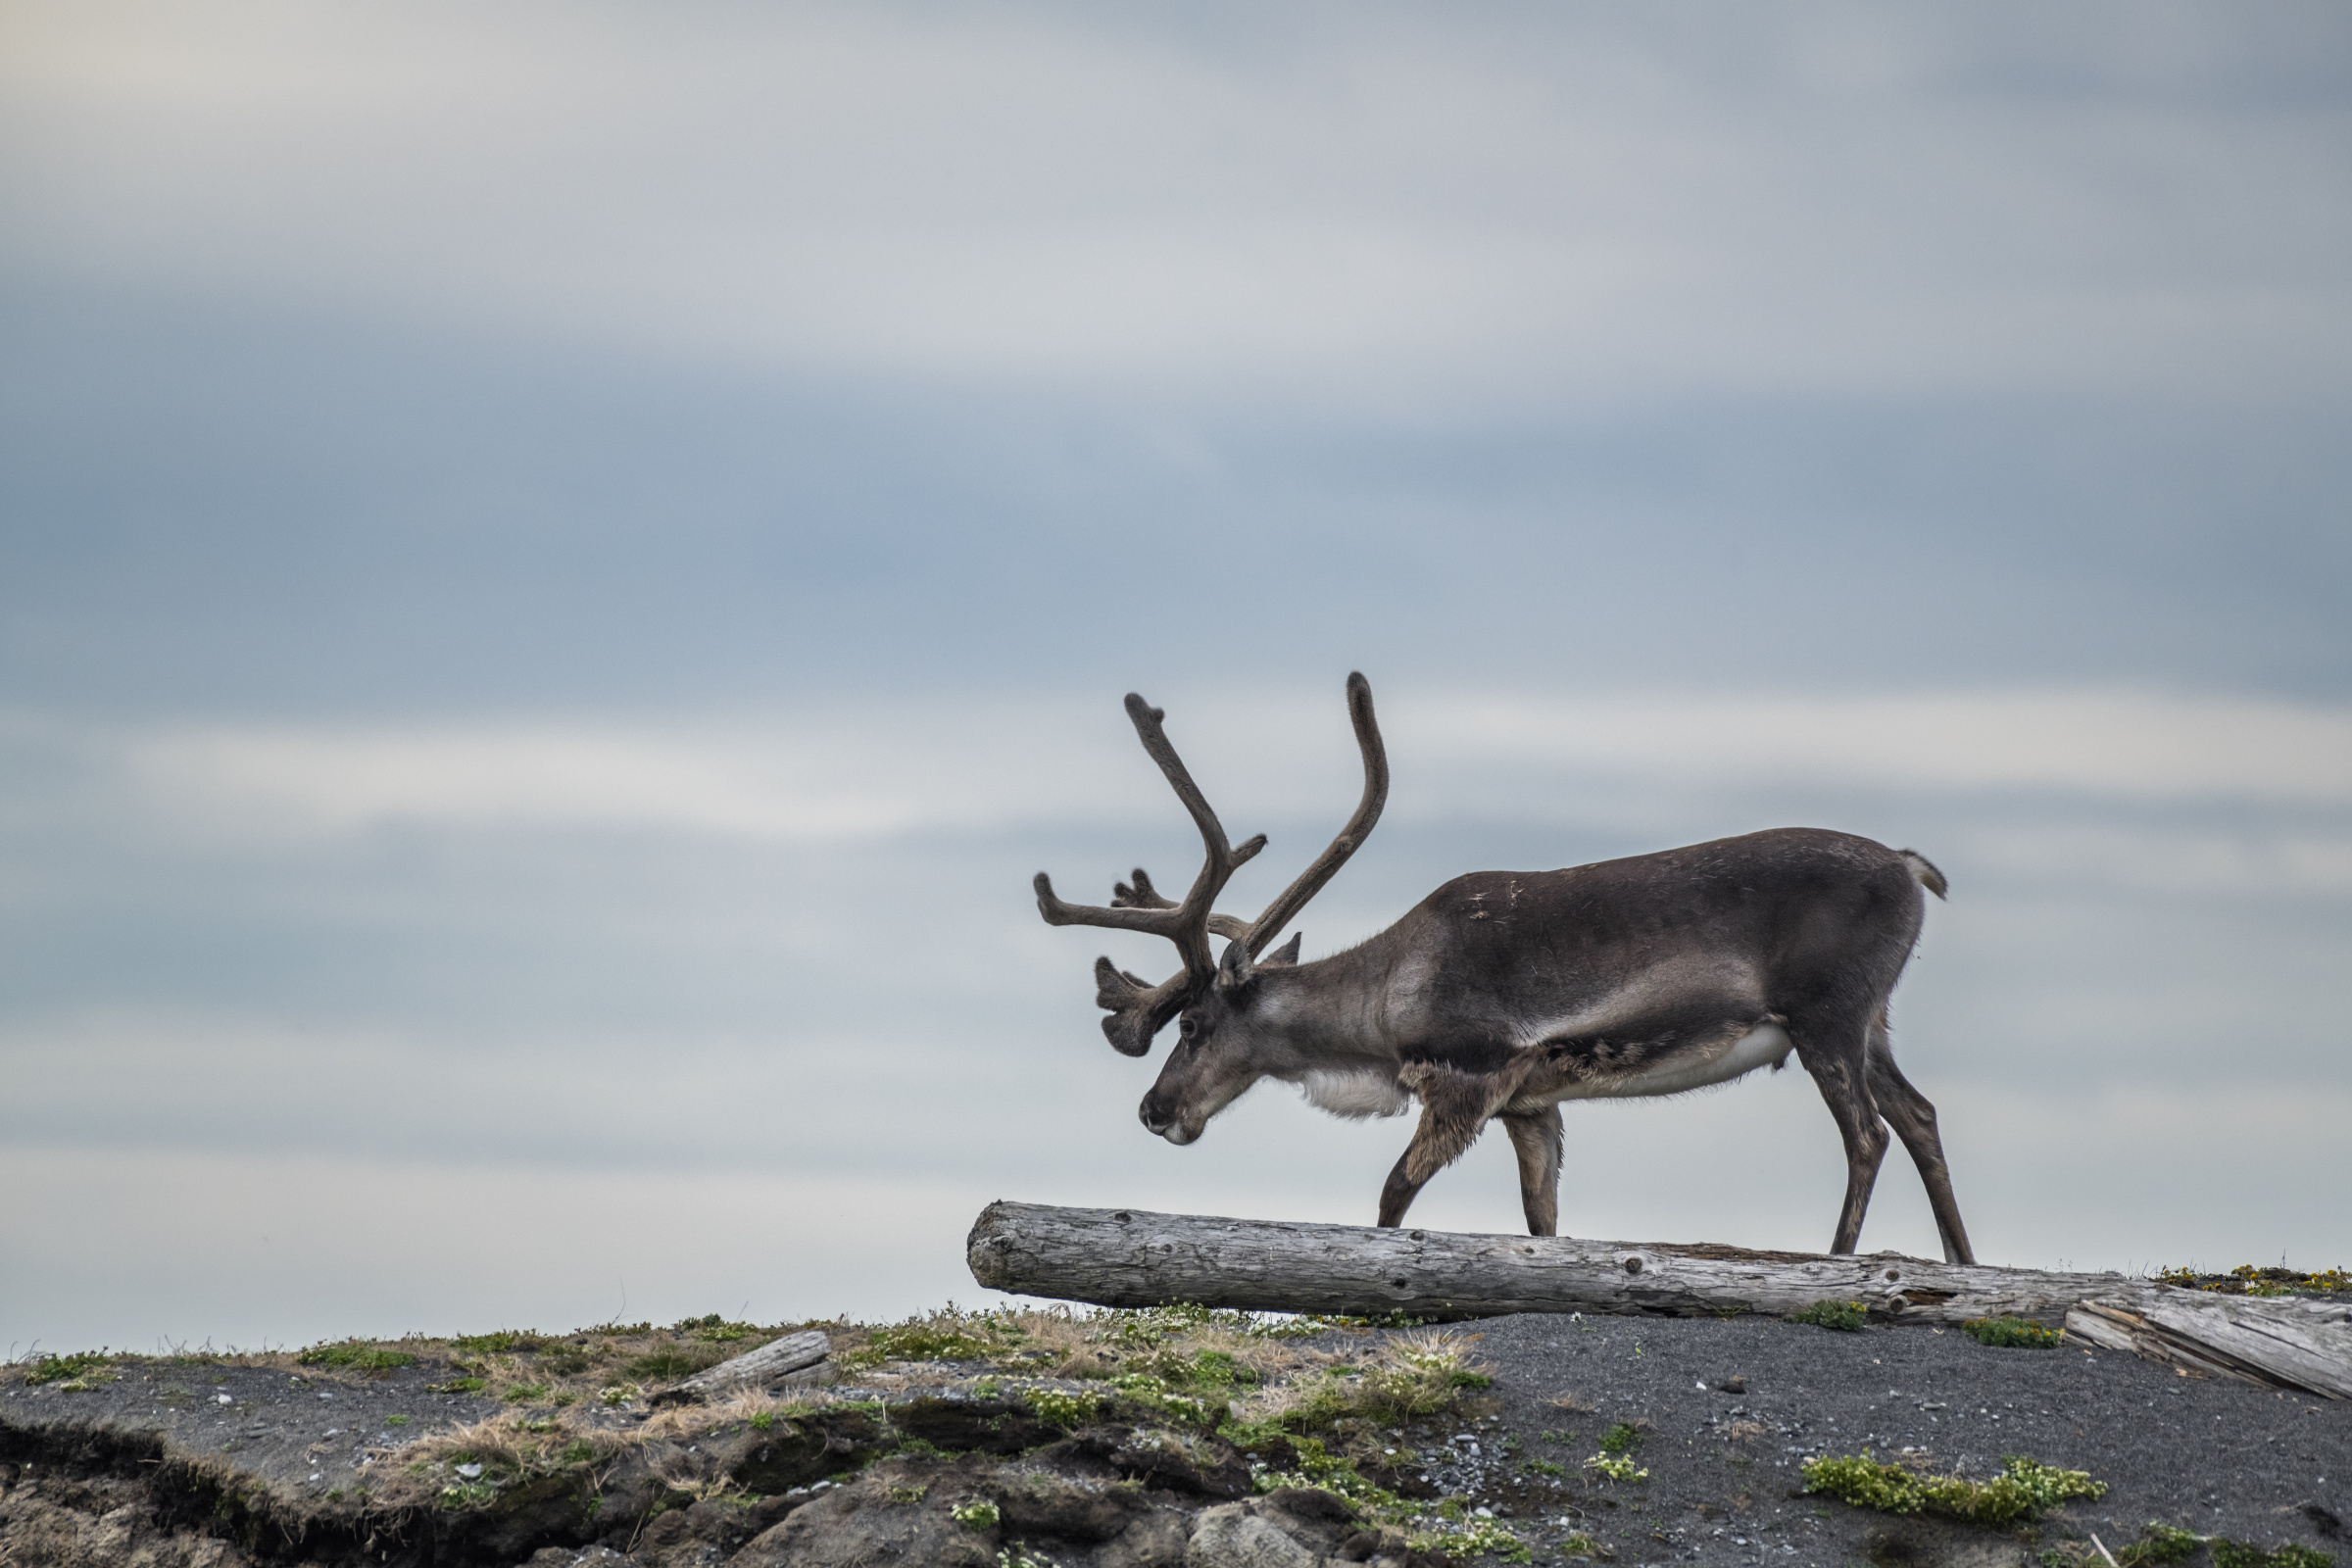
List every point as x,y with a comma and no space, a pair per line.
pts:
1141,895
1310,882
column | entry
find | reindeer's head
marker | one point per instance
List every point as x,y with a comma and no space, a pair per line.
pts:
1211,996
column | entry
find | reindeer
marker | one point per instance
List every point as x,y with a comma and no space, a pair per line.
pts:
1505,993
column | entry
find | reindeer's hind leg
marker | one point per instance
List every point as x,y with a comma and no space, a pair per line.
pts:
1914,1122
1536,1138
1833,1045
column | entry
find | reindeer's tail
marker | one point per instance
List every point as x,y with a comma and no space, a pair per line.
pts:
1925,870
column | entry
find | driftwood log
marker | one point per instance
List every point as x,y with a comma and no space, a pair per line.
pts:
790,1359
1131,1258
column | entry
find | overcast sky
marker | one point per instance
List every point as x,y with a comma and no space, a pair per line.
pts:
562,565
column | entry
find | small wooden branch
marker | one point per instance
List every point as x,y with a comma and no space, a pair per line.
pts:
1131,1257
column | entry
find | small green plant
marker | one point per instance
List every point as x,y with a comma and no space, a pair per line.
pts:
577,1452
1620,1439
2159,1543
2023,1490
2238,1554
977,1514
2011,1333
1561,1438
1580,1544
1474,1537
1056,1408
356,1355
395,1420
908,1494
1018,1556
763,1420
79,1369
457,1386
1846,1317
1616,1467
618,1394
1545,1467
526,1394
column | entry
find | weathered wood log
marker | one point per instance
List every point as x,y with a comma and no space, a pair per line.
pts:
2304,1345
1129,1257
769,1364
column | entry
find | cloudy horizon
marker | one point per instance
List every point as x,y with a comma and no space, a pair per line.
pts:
565,565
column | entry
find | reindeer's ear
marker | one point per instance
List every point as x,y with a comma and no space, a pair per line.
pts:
1283,957
1233,970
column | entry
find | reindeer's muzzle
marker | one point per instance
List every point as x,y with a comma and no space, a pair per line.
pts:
1159,1124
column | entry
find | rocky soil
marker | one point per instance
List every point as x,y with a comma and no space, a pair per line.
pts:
1132,1441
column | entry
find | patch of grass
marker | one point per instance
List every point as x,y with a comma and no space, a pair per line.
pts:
2023,1490
765,1421
2011,1333
356,1355
672,1361
712,1328
1580,1544
82,1367
525,1394
1620,1439
457,1386
977,1514
395,1420
944,1336
1846,1317
1545,1467
502,1341
1411,1378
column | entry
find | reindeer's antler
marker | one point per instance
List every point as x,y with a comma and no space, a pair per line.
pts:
1137,1009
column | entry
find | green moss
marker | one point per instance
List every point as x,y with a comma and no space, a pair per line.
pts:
1620,1439
764,1421
2011,1333
525,1394
1545,1467
357,1356
2023,1490
1847,1317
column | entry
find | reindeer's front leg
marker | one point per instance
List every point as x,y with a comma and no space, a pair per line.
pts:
1536,1138
1455,1107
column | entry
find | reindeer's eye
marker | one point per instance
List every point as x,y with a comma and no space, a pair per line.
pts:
1185,1028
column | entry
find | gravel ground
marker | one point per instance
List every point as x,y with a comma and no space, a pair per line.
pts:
1729,1410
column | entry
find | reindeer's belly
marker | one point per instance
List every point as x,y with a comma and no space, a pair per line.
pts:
1765,1045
